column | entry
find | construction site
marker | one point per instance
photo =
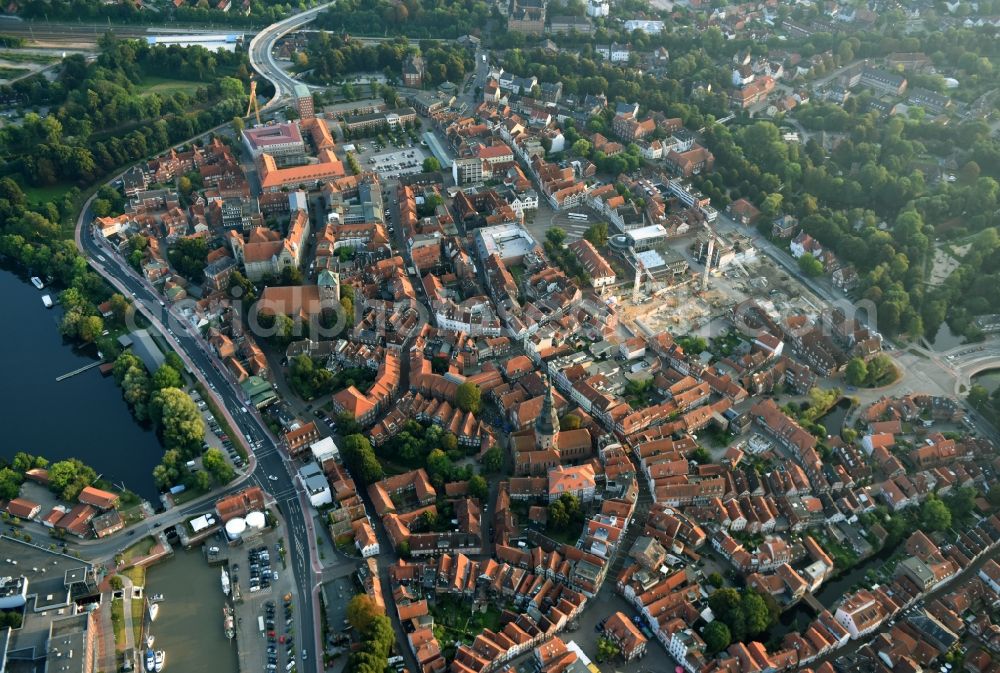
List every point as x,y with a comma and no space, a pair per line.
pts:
690,285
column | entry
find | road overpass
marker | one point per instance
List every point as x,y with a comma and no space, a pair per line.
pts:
967,366
261,52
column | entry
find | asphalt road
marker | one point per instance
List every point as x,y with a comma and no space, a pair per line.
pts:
272,470
261,53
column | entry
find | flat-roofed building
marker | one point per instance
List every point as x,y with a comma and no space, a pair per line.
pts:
283,142
304,102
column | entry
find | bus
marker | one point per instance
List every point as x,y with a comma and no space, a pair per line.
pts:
578,217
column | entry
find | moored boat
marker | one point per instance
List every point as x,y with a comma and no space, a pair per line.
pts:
150,661
159,660
37,282
225,582
154,610
47,301
227,622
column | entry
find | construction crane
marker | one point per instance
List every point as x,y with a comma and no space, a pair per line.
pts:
253,101
640,271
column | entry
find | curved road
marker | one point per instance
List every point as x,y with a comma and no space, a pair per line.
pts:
261,53
269,467
266,458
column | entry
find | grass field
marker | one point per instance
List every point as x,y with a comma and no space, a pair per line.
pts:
138,608
139,549
168,87
55,193
26,57
11,73
118,622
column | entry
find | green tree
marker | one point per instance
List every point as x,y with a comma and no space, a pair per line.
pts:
558,517
91,327
431,164
935,515
755,613
597,234
856,372
880,369
556,236
716,580
360,457
468,397
231,88
362,612
177,417
606,649
979,398
810,266
215,464
10,483
68,477
581,148
493,460
120,307
570,422
716,636
478,488
439,466
166,377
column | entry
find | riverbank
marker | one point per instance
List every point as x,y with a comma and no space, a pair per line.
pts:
80,417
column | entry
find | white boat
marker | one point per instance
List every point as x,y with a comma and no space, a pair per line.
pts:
157,597
150,661
47,301
150,639
161,658
154,609
37,282
225,582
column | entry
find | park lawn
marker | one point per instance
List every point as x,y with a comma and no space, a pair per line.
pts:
461,622
138,606
187,495
137,574
27,57
168,87
11,73
140,548
568,536
118,622
132,515
53,193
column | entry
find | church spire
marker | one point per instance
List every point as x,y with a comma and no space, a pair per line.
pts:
547,423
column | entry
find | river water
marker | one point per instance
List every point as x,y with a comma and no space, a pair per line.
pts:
800,616
84,416
189,631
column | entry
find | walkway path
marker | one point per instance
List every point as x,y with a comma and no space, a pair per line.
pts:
127,590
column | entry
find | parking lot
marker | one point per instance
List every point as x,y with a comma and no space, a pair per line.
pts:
266,621
215,437
336,595
400,162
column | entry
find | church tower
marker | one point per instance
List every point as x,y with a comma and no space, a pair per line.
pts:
547,423
329,286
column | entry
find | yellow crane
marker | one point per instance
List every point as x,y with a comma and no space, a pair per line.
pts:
253,101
